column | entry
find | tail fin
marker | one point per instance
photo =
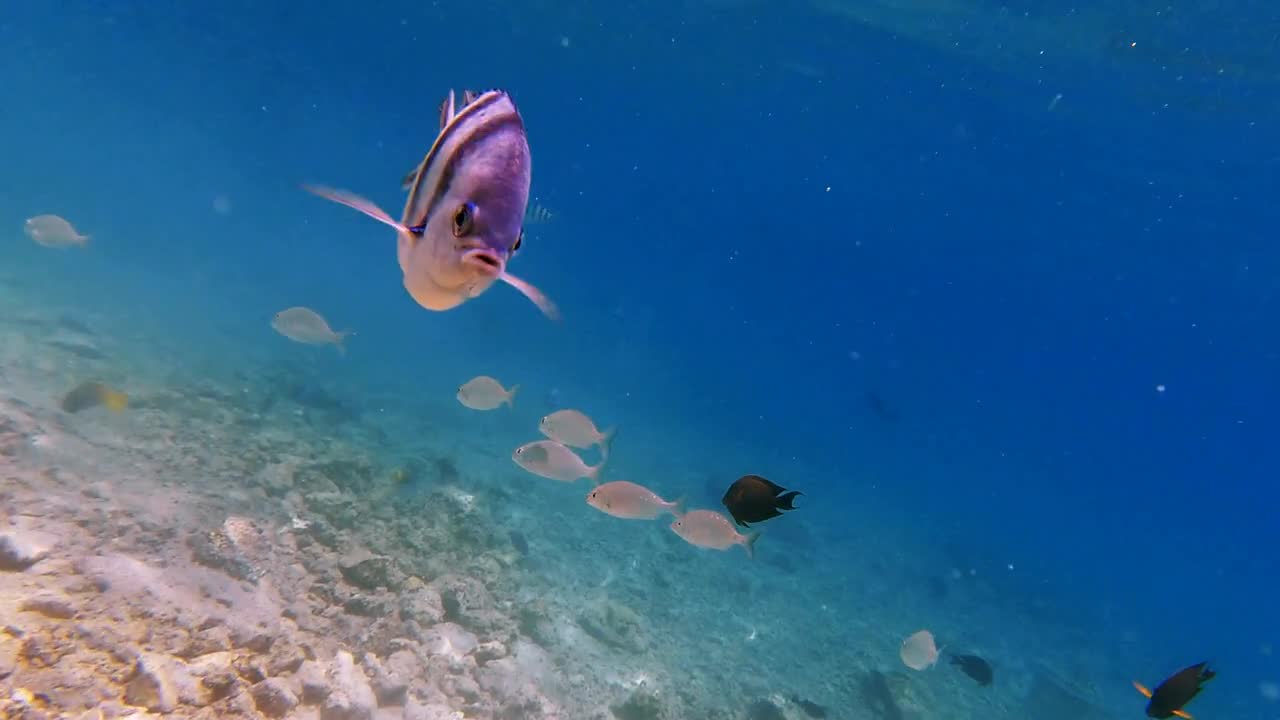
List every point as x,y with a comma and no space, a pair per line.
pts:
784,500
595,472
341,342
677,507
115,400
606,441
511,395
750,544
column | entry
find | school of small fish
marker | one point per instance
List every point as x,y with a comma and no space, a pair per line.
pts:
462,223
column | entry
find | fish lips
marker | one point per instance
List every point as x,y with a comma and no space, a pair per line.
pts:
484,261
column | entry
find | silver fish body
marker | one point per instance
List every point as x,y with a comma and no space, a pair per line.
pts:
463,219
467,201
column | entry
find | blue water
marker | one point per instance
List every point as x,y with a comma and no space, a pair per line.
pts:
762,213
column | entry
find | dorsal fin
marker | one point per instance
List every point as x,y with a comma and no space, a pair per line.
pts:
447,110
468,97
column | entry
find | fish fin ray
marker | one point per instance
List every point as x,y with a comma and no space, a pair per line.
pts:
1142,688
355,202
535,295
447,110
1183,714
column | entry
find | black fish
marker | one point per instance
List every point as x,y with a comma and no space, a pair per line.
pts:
1172,694
975,667
752,498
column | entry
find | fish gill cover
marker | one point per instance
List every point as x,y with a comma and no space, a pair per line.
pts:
991,284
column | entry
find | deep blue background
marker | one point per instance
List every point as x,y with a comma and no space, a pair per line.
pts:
761,214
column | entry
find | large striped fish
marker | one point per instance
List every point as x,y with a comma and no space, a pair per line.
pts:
467,199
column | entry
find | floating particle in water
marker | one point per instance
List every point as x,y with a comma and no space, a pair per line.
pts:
1269,690
1054,102
1160,388
222,205
919,651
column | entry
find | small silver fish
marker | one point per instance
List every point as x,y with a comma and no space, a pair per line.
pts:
53,231
305,325
486,393
554,461
463,220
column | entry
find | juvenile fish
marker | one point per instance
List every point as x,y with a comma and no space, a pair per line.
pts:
463,220
554,461
630,501
575,429
485,393
711,530
53,231
305,325
92,394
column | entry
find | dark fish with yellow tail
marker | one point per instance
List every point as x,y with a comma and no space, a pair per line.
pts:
1171,696
92,394
464,218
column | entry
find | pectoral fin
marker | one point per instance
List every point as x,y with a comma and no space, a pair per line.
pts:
1183,714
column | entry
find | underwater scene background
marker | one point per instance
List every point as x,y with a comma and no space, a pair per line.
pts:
992,285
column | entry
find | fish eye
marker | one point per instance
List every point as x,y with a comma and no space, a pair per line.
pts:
519,241
464,219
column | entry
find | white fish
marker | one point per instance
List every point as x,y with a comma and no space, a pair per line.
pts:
630,501
53,231
554,461
918,651
712,530
486,393
464,217
305,325
575,429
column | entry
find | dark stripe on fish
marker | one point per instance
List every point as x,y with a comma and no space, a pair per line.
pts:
494,125
434,163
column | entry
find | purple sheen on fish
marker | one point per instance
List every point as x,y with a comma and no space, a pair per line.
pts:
463,219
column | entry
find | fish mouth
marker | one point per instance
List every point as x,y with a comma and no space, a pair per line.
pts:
484,260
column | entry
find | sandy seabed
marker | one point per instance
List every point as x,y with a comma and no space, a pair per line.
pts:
215,552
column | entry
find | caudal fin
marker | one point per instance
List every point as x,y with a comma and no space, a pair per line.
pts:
750,544
355,202
785,499
511,395
596,472
606,441
676,507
